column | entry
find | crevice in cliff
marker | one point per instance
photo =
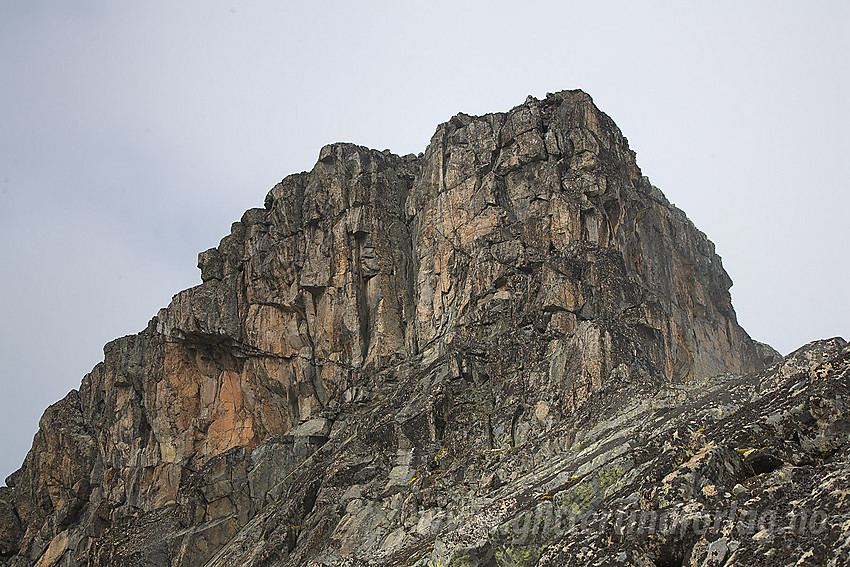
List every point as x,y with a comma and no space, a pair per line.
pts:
514,422
145,430
362,294
224,344
314,376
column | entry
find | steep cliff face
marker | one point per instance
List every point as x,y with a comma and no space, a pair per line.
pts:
360,347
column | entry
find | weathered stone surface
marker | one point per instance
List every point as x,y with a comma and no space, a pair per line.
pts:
740,471
439,358
10,525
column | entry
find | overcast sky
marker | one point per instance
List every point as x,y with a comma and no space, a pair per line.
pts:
133,134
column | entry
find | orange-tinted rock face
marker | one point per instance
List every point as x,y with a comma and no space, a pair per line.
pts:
523,252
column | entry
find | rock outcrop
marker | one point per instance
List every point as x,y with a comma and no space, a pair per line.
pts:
440,359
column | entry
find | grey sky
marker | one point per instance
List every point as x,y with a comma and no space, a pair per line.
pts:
133,134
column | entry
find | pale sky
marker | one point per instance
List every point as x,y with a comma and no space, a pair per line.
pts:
133,134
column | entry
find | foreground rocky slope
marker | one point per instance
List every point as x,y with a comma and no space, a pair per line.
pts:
443,359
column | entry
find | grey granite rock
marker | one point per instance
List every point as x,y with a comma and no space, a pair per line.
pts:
443,359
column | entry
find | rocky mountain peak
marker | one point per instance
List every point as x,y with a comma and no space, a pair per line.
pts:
385,364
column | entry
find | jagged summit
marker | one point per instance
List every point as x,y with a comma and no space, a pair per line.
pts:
401,359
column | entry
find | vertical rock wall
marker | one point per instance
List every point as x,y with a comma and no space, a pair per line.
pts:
523,251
